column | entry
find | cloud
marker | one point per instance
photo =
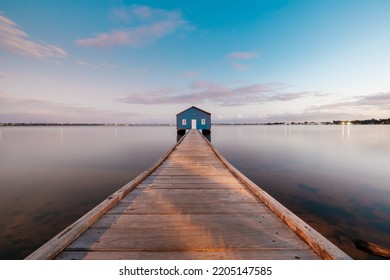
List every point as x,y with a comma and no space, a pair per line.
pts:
381,100
212,92
239,67
13,39
135,13
95,66
358,107
146,25
191,74
87,64
241,55
14,109
234,56
377,101
5,75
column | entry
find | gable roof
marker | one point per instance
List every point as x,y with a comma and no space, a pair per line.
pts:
195,108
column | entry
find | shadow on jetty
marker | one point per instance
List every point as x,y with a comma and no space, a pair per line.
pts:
182,132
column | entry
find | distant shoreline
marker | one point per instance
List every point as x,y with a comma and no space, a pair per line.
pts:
337,122
79,124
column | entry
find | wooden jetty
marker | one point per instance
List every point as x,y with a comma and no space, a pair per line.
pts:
192,204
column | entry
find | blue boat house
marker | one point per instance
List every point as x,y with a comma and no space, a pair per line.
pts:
193,118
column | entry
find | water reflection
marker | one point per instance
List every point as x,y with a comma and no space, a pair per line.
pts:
348,129
287,130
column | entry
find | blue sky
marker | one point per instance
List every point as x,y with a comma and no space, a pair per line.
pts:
145,61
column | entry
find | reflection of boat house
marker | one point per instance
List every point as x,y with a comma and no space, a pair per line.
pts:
193,118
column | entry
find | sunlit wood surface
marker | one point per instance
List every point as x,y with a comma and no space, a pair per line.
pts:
191,207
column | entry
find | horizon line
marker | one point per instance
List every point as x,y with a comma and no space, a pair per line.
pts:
336,122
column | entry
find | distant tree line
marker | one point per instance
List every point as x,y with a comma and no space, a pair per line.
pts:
78,124
363,122
336,122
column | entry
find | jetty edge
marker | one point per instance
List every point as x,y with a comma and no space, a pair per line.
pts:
59,242
307,235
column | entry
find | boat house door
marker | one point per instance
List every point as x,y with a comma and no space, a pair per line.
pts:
193,124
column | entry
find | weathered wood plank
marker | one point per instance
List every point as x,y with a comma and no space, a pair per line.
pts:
166,182
203,177
184,169
191,186
259,254
192,167
187,181
207,222
185,239
160,208
213,196
191,173
236,193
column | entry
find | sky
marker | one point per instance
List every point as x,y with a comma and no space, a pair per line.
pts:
141,61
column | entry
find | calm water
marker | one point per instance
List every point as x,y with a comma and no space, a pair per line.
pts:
50,176
334,177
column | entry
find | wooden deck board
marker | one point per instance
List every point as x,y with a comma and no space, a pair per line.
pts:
181,195
166,185
263,254
190,221
190,239
188,206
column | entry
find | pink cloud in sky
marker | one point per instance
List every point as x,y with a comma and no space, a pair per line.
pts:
239,67
5,75
135,13
15,109
234,56
375,102
216,93
191,74
241,55
145,12
13,39
146,26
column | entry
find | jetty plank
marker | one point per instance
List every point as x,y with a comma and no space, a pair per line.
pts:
190,239
205,221
191,186
266,254
193,205
185,208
